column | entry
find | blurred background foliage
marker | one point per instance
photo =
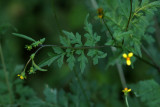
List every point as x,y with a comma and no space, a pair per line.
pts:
45,18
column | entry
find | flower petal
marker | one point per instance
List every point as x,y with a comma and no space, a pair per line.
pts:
128,62
130,54
124,55
21,77
129,90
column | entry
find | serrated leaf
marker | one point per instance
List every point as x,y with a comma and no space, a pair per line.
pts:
64,41
51,60
83,60
148,91
50,95
110,42
60,60
138,49
24,36
58,50
91,52
101,54
71,61
96,38
70,35
62,99
78,38
88,26
89,41
95,60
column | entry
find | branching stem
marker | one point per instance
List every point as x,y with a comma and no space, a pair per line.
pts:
108,28
129,15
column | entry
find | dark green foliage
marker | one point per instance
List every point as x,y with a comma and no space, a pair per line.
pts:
148,92
78,84
71,47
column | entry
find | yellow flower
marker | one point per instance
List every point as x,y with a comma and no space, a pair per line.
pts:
126,91
127,57
100,13
21,76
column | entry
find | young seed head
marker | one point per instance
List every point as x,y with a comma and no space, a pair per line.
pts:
28,47
100,13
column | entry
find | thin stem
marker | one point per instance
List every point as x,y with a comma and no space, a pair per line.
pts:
128,19
149,56
81,86
120,71
108,28
87,47
147,62
121,75
129,15
6,74
26,64
77,48
126,100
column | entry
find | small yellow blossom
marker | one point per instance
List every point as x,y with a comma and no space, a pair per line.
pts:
126,91
20,76
127,57
100,13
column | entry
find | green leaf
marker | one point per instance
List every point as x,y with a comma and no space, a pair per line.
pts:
51,60
50,95
148,91
64,41
42,40
95,60
60,60
62,99
92,52
58,50
110,42
37,67
70,35
101,54
90,41
114,59
83,60
24,36
71,61
88,26
78,39
95,54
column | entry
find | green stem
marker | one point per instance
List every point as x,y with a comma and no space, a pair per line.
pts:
128,19
126,100
6,74
81,86
129,15
149,56
96,47
108,28
147,62
77,48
